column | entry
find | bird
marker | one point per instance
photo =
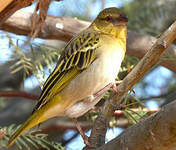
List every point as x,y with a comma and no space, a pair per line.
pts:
89,63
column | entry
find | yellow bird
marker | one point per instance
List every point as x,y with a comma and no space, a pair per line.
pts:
89,62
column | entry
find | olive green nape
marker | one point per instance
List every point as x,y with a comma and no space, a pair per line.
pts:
112,11
108,19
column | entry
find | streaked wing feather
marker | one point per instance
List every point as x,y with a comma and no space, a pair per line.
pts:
77,55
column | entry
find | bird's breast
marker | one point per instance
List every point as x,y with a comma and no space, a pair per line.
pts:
101,72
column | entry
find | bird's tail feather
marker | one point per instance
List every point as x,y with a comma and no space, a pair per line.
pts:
36,118
53,108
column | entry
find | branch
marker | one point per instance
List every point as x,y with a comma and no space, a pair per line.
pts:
19,94
64,28
8,7
154,133
152,56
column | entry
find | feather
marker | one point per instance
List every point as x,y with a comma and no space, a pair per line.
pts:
70,60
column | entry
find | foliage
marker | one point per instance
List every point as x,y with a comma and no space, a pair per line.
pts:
29,140
32,58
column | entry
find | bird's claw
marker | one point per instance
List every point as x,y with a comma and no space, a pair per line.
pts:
114,86
86,141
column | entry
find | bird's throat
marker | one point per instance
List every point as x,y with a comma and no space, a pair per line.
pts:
119,32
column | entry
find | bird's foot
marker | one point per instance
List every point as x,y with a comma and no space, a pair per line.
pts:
103,90
84,137
114,86
86,140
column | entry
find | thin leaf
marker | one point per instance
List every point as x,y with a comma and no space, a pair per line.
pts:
130,116
31,142
23,142
17,69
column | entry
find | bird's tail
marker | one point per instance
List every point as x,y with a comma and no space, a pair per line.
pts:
53,108
36,118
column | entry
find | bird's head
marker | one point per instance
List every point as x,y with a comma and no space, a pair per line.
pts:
110,18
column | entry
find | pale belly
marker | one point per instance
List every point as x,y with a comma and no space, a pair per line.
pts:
101,72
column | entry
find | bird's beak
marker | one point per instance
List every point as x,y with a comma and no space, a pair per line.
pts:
120,21
123,19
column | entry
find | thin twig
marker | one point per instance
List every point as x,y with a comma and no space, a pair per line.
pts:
21,94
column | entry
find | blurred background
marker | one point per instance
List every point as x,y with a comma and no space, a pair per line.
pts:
25,64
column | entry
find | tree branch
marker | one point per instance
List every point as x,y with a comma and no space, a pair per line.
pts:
64,28
21,94
61,28
158,132
8,7
151,57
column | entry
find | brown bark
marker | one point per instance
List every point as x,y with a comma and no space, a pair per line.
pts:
20,94
61,28
158,132
8,7
64,28
39,19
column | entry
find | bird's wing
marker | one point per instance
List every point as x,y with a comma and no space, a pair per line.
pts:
77,56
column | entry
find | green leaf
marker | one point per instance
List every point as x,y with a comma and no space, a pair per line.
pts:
31,142
22,142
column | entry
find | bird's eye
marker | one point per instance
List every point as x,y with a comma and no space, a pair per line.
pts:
108,18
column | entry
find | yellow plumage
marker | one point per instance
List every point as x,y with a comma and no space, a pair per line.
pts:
89,62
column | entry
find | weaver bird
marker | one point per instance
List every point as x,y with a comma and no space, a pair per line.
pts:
89,63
